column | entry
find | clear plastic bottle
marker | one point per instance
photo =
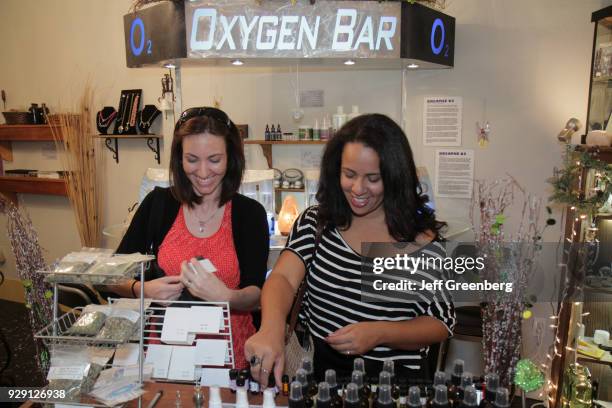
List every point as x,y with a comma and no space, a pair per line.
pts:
339,118
354,113
326,128
384,400
470,398
323,396
296,397
414,397
440,397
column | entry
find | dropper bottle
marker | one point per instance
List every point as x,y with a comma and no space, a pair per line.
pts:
296,398
384,400
323,397
502,398
414,397
470,398
357,378
352,399
336,397
441,397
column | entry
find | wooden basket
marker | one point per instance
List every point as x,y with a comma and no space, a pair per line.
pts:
17,118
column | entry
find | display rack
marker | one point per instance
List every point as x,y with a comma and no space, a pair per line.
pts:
153,330
55,332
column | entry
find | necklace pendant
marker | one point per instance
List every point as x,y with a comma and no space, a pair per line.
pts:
201,228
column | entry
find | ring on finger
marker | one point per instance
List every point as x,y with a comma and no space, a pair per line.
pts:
264,370
255,360
348,352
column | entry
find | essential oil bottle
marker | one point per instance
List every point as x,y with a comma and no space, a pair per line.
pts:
296,398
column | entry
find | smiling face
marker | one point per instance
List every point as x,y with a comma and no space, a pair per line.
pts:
205,162
360,179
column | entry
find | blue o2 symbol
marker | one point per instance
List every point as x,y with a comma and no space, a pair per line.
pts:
437,49
138,23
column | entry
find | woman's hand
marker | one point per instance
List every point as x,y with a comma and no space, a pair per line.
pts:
265,351
203,284
356,338
164,288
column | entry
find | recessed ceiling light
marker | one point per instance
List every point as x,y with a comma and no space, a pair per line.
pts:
237,62
413,66
349,62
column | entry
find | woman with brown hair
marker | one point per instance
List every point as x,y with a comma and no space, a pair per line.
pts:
202,214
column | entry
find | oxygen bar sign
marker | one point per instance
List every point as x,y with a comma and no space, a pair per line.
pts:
326,29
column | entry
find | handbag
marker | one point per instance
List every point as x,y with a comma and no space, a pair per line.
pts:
298,343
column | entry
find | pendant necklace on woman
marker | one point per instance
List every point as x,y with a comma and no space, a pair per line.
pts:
202,223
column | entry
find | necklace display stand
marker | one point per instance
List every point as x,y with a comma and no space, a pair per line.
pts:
146,117
125,124
104,118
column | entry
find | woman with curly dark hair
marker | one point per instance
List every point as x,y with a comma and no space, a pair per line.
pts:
368,192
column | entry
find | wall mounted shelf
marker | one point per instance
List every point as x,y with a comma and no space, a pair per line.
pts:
266,145
112,143
22,133
11,185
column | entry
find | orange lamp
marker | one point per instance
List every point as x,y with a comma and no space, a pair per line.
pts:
287,216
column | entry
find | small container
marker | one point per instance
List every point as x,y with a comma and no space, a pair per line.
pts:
316,131
305,132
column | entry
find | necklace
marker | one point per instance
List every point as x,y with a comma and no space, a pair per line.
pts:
134,110
105,121
123,112
145,124
202,223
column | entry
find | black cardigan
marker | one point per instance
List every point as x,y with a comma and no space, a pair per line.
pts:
157,213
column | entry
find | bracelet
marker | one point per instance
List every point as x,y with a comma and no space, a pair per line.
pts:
132,288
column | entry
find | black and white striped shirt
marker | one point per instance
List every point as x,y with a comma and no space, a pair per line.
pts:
334,296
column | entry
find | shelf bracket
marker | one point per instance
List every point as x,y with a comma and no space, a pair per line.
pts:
150,142
108,143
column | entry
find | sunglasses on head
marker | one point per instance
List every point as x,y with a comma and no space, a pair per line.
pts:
213,113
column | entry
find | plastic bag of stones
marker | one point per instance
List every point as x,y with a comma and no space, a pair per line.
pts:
72,266
113,269
71,371
91,321
119,325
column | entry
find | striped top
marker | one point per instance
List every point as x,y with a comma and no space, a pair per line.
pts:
335,294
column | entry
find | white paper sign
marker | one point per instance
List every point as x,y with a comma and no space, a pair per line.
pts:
66,373
205,319
218,377
177,324
211,352
454,173
442,117
159,356
182,365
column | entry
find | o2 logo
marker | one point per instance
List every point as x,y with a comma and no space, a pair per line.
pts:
138,26
439,46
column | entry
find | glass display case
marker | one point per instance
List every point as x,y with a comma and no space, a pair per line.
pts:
600,91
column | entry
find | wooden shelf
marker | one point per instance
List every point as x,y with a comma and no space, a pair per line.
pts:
11,185
266,145
21,133
285,142
25,133
291,190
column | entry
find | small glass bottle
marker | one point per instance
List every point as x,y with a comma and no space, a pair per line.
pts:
364,390
246,375
466,381
502,398
285,385
330,379
267,133
296,397
242,399
470,398
301,376
359,365
272,384
253,385
440,399
414,397
384,400
439,379
279,132
491,383
352,399
323,396
233,375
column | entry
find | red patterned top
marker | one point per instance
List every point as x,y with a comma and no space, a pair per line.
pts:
180,245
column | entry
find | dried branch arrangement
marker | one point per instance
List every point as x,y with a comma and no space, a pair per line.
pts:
81,159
